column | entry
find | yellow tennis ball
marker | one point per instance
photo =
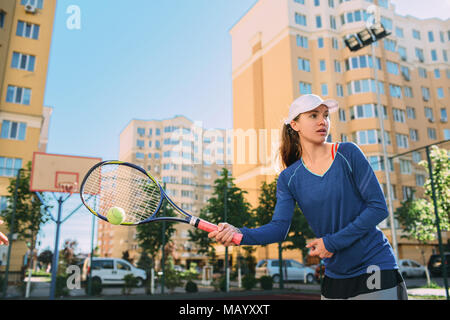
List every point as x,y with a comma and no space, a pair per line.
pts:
115,215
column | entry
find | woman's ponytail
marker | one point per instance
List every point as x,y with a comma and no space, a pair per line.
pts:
290,148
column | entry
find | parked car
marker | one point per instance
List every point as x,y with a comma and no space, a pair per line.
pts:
410,268
435,263
112,271
293,270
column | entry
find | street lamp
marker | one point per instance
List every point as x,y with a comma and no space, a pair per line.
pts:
355,42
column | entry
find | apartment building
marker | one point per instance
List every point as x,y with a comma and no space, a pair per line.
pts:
26,28
184,157
282,49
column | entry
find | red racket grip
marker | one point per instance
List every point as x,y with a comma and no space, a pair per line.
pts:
209,227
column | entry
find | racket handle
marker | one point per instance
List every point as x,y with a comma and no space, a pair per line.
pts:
210,227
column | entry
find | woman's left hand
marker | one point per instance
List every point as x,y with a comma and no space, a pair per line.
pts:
318,249
3,238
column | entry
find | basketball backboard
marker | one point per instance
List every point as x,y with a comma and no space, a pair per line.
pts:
59,173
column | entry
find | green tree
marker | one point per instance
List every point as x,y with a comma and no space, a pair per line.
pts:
238,212
149,235
29,216
417,216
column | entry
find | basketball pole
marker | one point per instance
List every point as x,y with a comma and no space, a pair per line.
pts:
58,221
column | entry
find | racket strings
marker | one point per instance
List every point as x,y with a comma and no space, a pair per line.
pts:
115,185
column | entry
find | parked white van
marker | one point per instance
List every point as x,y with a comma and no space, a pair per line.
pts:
111,271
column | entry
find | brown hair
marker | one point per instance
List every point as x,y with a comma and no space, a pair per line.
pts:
290,149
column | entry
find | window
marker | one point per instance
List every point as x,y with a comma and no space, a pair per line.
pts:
302,41
429,114
446,134
141,131
440,93
413,134
13,130
333,22
337,66
425,94
410,113
2,19
3,203
402,53
9,166
437,73
140,156
433,55
300,1
392,67
322,65
335,43
399,115
419,54
387,23
416,34
140,143
416,156
320,43
420,180
362,86
408,92
399,32
18,95
431,133
443,114
390,45
305,88
37,3
342,116
27,30
318,22
407,193
339,90
316,3
430,36
324,88
395,91
364,61
331,3
304,65
365,111
444,55
300,19
422,72
402,140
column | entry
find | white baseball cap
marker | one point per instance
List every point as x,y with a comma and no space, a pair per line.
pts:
307,103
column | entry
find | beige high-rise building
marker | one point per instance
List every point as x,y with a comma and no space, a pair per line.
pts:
184,157
26,28
282,49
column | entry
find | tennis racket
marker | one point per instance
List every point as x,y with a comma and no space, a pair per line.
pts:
121,184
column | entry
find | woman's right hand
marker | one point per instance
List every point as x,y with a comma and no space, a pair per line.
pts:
224,234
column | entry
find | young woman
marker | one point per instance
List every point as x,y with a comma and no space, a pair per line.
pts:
340,196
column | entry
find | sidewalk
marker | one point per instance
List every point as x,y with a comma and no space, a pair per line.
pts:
426,292
41,290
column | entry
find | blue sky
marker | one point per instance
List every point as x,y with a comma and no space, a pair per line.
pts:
150,60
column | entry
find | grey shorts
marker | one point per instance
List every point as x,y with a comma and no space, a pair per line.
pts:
396,293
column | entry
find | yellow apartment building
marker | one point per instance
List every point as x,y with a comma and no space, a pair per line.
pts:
282,49
26,28
184,157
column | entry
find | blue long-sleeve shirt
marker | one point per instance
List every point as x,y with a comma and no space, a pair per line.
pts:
343,206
